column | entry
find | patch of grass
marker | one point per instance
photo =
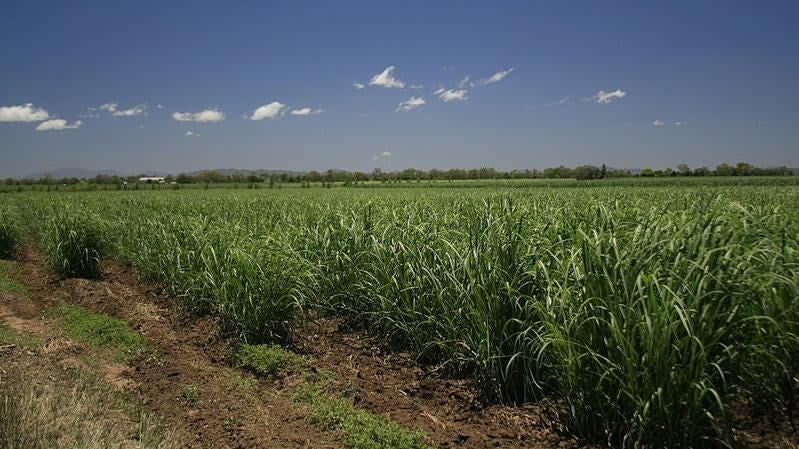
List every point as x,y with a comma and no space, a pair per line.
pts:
8,285
361,429
190,394
101,330
12,337
38,413
267,360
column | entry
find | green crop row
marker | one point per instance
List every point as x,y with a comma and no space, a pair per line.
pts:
639,314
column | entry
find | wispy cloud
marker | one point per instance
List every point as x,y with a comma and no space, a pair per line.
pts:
269,111
448,95
410,104
608,97
192,134
23,113
416,86
497,77
386,79
382,156
658,122
58,125
129,112
679,123
464,83
306,111
205,116
358,85
563,100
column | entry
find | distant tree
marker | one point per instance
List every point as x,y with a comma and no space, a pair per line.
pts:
684,169
604,171
586,172
725,170
647,172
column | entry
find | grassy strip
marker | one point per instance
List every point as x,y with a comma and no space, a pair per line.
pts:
8,285
10,337
39,413
101,330
361,429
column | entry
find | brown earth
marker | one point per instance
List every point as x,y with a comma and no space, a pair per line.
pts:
232,409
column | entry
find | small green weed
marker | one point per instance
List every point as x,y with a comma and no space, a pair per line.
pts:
361,429
102,330
267,360
12,337
189,394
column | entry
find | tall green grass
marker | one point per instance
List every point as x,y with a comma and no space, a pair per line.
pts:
10,233
74,242
637,314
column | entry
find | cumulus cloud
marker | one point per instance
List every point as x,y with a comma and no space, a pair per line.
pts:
497,77
659,122
208,115
382,156
130,112
305,111
608,97
386,79
269,111
358,85
23,113
58,125
410,104
191,134
448,95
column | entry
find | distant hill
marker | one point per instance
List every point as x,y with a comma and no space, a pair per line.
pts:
59,173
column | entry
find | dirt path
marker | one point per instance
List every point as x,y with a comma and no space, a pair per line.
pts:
188,380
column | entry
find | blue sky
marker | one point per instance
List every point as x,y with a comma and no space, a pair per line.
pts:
726,71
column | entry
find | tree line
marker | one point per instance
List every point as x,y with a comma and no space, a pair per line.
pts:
582,172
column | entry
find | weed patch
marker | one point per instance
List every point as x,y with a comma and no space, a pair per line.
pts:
267,360
101,330
361,429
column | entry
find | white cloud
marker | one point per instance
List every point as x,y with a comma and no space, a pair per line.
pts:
608,97
679,123
382,156
410,104
159,106
23,113
497,77
448,95
563,100
192,134
114,110
272,110
416,86
108,107
306,111
358,85
208,115
386,79
659,122
58,125
131,112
